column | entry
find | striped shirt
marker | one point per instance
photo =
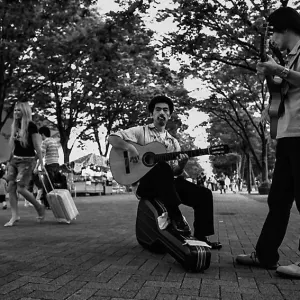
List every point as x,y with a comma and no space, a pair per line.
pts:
50,151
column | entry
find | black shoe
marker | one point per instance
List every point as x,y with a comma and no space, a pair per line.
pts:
4,207
213,245
252,260
181,225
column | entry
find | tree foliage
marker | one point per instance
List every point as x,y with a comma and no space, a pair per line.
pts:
219,32
23,25
222,41
81,70
193,167
133,77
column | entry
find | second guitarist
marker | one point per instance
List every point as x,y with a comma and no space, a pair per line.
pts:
285,186
160,182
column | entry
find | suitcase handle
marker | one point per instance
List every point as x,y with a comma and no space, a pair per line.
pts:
53,189
45,171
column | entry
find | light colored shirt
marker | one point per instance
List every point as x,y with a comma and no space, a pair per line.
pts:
144,135
50,151
289,123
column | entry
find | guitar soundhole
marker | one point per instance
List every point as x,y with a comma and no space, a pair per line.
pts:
149,159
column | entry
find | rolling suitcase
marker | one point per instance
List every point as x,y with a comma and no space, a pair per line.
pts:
185,249
61,203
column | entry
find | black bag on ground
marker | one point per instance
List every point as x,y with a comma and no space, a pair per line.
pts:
151,237
60,181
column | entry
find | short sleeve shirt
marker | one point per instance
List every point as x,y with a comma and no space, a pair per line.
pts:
144,135
29,150
50,150
289,123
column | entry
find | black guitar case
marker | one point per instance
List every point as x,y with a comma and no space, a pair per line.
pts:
151,237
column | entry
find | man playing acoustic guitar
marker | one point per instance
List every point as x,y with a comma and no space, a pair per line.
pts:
285,186
159,181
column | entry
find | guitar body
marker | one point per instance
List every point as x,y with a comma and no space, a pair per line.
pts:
275,101
273,126
127,172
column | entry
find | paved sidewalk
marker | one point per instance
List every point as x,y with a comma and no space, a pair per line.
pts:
97,257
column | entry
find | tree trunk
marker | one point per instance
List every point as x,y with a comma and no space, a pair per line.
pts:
249,167
67,153
242,167
2,90
238,165
64,145
253,181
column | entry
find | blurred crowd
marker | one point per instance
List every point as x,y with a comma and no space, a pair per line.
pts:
221,182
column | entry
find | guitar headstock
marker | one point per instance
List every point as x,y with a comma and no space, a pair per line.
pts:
218,149
264,43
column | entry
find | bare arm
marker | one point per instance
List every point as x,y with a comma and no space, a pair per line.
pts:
119,143
37,146
182,161
38,161
270,67
293,77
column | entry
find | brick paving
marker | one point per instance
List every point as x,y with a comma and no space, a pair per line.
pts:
97,256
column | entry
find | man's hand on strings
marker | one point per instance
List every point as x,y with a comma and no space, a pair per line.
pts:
134,155
182,160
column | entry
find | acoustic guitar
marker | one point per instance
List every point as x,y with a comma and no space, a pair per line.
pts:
127,172
274,87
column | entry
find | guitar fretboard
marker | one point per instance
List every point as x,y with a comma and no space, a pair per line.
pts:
174,155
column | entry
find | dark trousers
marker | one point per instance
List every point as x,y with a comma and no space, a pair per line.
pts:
160,182
284,190
2,198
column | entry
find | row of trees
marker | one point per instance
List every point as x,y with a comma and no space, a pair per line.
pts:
82,70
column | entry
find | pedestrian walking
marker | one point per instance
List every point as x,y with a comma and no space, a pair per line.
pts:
25,144
222,183
50,153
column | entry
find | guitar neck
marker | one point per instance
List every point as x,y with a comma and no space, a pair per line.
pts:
174,155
